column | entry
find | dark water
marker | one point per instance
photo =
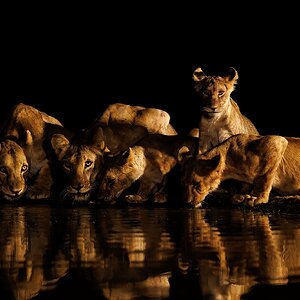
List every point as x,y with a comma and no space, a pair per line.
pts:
141,253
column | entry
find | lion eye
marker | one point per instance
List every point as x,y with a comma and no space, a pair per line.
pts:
88,163
206,93
24,168
197,186
3,170
221,93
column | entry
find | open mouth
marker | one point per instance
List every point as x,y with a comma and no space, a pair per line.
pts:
208,111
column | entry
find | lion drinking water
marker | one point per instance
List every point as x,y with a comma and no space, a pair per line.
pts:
266,162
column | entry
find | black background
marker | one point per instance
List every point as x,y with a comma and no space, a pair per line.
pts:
71,62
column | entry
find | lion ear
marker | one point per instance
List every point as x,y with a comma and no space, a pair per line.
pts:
198,75
28,137
103,147
60,144
209,163
232,76
98,140
126,155
183,154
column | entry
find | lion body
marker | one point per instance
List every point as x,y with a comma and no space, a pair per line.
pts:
266,162
148,162
154,119
81,159
30,128
220,114
120,126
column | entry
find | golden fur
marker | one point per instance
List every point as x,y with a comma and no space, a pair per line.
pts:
29,128
148,162
154,119
13,170
265,162
220,114
119,127
81,159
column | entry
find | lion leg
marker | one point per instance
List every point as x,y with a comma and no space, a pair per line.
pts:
260,193
142,194
41,188
161,195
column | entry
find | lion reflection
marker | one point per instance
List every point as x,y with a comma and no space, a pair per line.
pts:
139,252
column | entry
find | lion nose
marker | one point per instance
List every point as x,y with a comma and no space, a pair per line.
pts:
16,191
78,187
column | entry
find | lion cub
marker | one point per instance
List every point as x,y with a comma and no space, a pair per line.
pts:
148,163
81,159
220,114
25,156
266,162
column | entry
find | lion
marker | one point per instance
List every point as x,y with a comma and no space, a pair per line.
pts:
81,158
25,159
220,114
14,169
267,163
149,163
118,128
154,119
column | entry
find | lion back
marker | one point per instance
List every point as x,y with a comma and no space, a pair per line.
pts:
154,119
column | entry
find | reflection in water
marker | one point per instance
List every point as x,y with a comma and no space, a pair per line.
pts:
139,253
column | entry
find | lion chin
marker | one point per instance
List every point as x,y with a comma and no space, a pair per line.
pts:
12,198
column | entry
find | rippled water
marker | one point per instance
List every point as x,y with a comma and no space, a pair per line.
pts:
142,253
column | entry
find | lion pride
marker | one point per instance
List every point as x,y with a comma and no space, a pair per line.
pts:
119,127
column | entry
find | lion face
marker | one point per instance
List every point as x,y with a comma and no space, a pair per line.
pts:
120,172
199,178
214,91
80,165
13,170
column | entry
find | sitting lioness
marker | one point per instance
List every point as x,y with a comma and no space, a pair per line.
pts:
24,160
220,114
265,162
119,127
148,163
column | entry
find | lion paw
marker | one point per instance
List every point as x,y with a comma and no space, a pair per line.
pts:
248,200
245,199
134,199
36,194
160,198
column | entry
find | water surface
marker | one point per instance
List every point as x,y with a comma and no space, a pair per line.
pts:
147,253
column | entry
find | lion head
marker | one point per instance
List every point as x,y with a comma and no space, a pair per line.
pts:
14,170
214,91
80,164
200,176
120,172
82,159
